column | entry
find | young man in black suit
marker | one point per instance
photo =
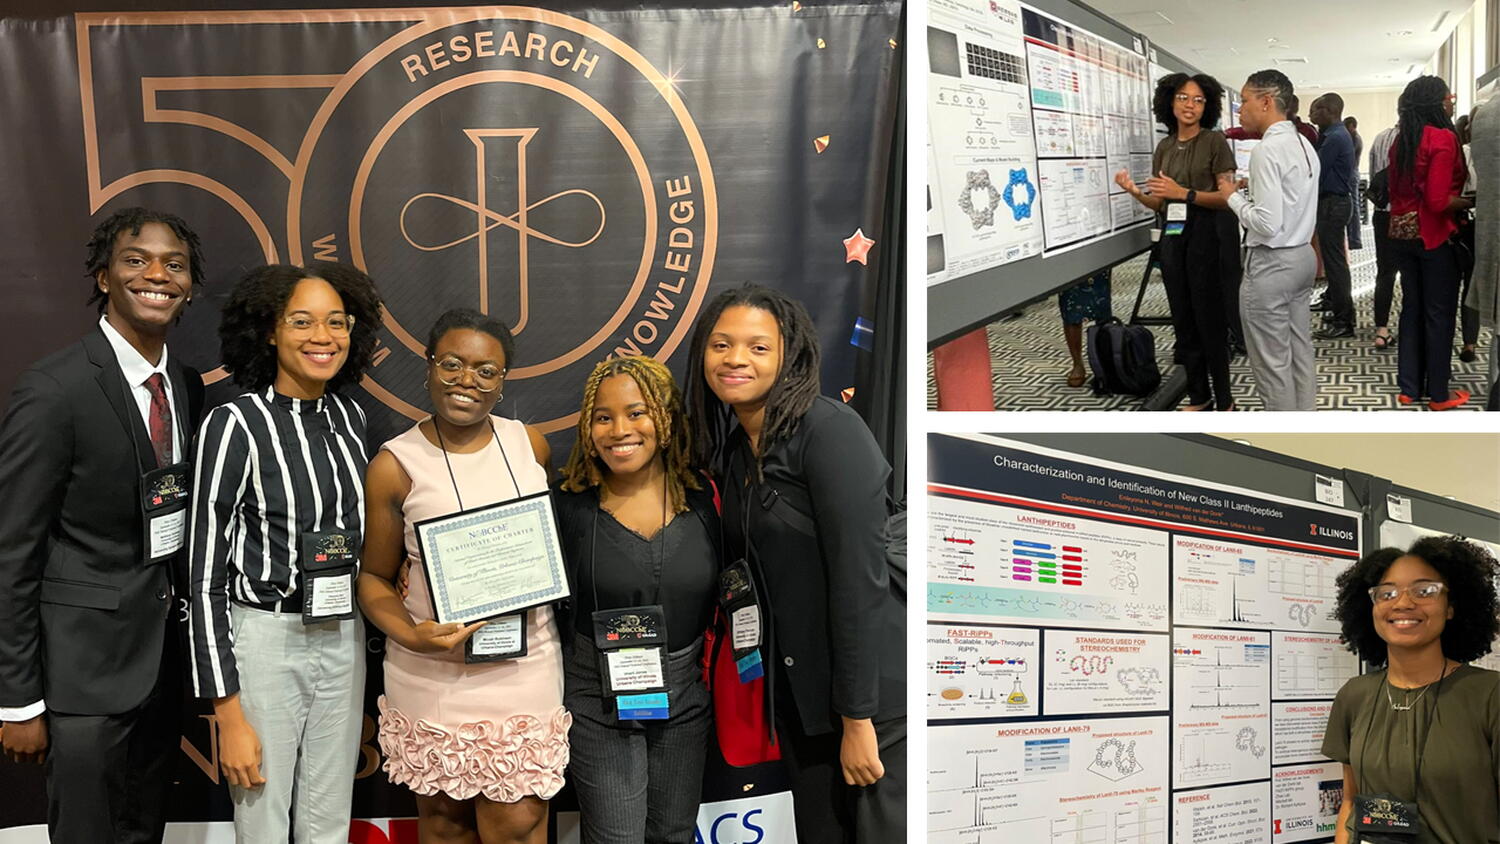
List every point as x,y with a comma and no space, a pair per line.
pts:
92,453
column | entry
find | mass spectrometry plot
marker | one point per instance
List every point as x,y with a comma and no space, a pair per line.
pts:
1221,706
990,563
1051,782
1088,672
981,672
1231,584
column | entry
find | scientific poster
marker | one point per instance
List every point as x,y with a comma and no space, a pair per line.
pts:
1305,802
1090,671
1236,814
982,174
1221,706
1297,731
981,672
1310,665
1101,780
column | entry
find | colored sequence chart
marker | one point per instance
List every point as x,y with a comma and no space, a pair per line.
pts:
1046,563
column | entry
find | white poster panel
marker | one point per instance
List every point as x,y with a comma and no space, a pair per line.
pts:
1305,802
1236,814
1310,665
1089,672
983,154
1297,731
1221,706
1230,584
981,672
996,564
1102,781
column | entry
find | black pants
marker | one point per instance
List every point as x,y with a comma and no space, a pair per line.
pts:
1385,268
1332,226
108,776
1429,305
827,810
1190,268
1468,317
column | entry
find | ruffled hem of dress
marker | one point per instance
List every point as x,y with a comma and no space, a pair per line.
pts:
522,756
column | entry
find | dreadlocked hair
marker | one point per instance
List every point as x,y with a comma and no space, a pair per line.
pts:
101,245
1420,106
585,469
796,386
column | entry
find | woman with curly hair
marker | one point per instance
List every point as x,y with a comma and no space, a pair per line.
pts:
277,515
1425,731
482,744
1197,250
805,506
640,535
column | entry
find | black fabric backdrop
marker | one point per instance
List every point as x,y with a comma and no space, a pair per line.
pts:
591,173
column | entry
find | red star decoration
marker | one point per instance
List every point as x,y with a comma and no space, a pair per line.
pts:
857,247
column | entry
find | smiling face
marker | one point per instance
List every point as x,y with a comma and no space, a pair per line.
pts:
309,353
148,280
480,364
1408,622
623,431
743,356
1189,111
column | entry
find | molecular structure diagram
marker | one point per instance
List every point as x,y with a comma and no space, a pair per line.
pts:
1020,210
979,181
1245,740
1085,665
1139,681
1303,614
1123,761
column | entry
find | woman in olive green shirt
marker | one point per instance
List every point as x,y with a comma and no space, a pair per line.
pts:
1426,729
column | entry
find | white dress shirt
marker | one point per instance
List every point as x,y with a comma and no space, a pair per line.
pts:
136,369
1283,205
1380,155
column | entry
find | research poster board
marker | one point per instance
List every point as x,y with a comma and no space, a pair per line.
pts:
1029,118
1068,592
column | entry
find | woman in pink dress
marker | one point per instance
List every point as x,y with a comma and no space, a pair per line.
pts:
483,745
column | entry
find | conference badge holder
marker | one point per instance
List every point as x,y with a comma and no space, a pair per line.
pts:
165,495
504,637
1177,214
329,560
738,599
1382,819
632,644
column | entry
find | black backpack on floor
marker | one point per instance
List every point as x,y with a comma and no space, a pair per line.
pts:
1123,358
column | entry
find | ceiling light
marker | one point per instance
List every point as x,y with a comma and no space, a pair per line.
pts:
1442,19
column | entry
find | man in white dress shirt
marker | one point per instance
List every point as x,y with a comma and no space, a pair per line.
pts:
1279,217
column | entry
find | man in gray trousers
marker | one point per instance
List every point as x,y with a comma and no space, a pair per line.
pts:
1279,216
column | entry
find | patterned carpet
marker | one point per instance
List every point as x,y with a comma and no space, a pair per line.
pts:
1030,362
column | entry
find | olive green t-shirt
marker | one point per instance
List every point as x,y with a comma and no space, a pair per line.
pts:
1194,164
1454,730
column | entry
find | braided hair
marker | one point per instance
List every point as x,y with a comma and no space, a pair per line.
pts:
1420,106
585,469
796,386
101,245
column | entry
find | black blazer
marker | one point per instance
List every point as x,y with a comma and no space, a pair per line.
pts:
816,526
82,613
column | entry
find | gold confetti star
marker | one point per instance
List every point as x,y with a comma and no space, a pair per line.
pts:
857,248
820,143
847,394
891,42
822,43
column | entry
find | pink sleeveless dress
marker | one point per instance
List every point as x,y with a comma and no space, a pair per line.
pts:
494,729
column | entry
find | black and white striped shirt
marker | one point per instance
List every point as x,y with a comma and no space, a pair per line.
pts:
268,467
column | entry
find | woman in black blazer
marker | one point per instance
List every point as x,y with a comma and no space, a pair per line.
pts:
805,505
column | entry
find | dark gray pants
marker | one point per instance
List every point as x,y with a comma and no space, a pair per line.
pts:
1332,223
828,810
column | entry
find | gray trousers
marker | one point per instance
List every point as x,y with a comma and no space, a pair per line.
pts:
302,689
1274,307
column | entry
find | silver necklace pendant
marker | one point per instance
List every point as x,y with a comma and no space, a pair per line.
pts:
1406,703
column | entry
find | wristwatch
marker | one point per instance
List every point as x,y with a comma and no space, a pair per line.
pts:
1192,196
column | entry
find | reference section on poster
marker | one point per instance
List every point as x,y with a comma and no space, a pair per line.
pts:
1073,600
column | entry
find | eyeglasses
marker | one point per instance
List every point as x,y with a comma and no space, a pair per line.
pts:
487,376
1424,591
1184,98
337,324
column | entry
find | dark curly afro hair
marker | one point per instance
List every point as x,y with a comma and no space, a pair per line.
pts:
257,303
101,245
1167,88
1470,573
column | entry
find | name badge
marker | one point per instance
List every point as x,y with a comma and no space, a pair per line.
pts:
1383,819
165,495
503,638
633,666
330,561
737,597
1177,212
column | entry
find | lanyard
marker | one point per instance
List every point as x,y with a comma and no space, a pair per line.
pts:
658,563
444,449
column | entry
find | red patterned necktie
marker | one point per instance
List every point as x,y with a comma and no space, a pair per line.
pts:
161,419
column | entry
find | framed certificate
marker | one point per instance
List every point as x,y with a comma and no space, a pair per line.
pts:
492,560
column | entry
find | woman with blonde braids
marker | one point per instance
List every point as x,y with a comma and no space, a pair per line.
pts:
640,535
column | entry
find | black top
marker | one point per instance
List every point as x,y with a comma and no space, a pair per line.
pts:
624,561
838,631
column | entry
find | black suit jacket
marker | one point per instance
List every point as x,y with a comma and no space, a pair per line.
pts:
82,612
817,547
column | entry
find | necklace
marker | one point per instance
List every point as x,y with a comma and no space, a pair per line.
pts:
1405,705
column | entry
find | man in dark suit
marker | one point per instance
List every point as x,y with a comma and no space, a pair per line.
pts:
91,458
